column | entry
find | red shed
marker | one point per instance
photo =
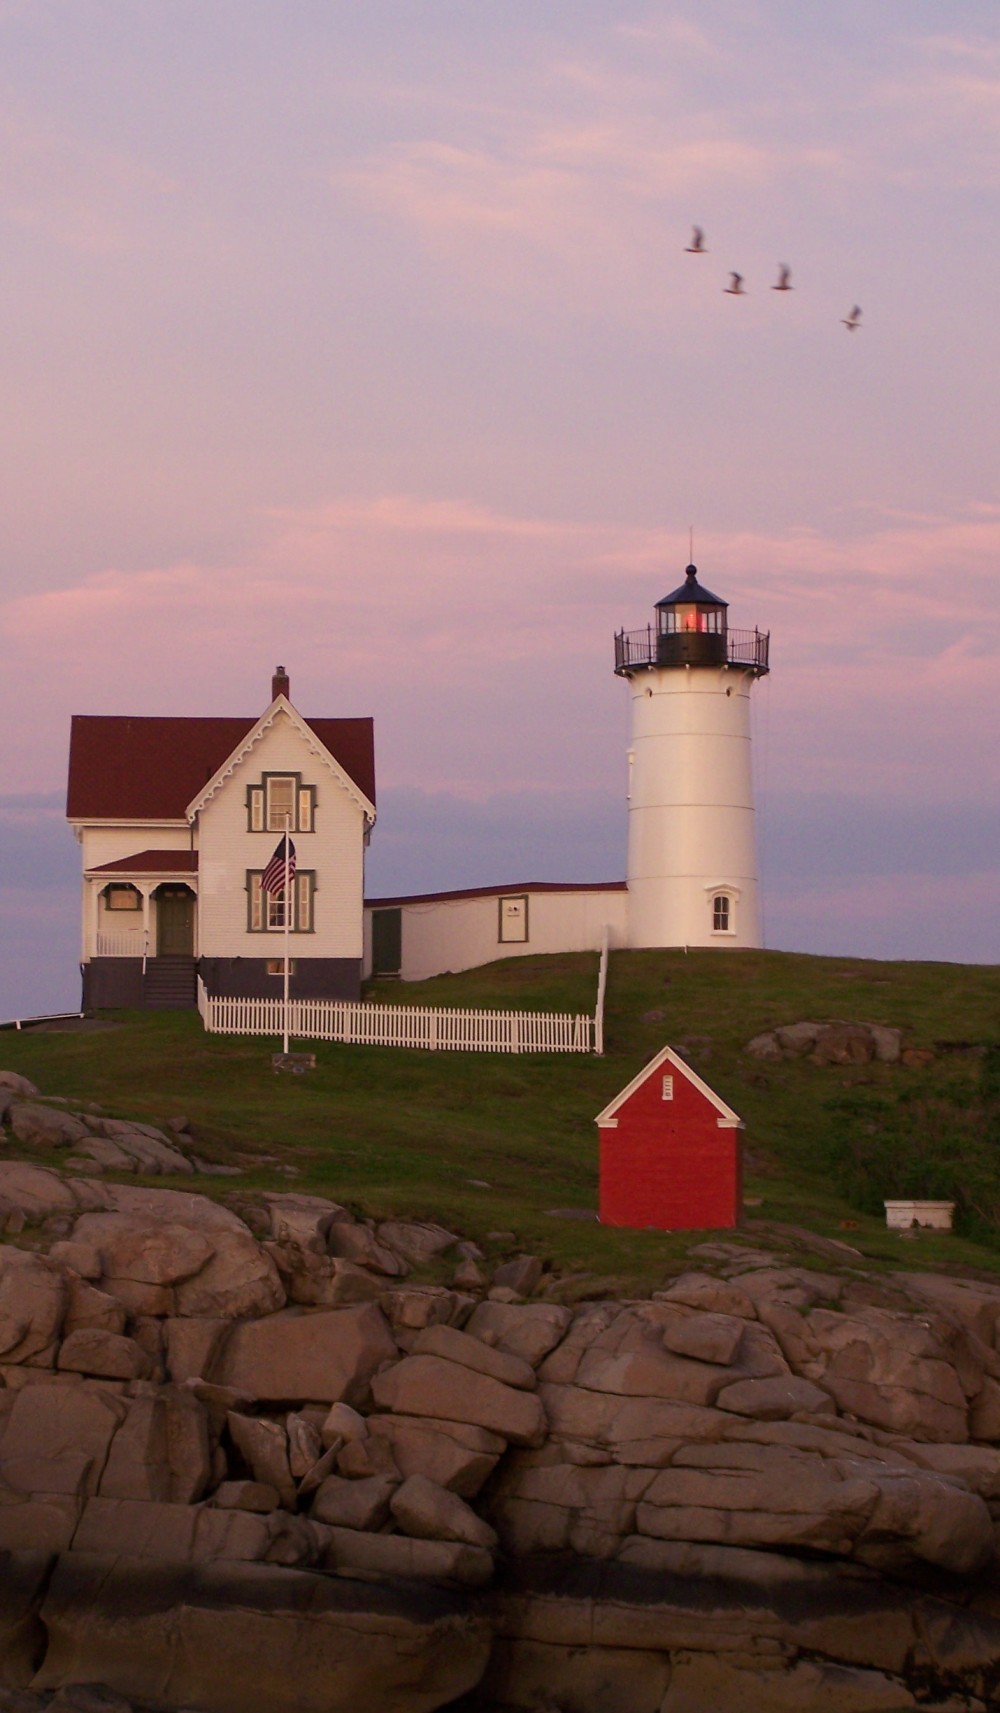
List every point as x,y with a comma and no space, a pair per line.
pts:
671,1154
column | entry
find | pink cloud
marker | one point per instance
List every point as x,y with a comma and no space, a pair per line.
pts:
83,194
938,118
481,642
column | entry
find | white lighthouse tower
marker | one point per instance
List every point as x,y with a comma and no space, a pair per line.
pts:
692,867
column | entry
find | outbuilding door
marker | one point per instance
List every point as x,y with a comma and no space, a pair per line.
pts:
175,922
387,942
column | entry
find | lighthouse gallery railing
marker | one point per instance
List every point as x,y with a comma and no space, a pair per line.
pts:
746,648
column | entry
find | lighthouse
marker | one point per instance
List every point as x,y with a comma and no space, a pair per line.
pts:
692,866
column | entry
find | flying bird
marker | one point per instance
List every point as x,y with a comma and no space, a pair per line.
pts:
784,279
697,244
853,320
735,286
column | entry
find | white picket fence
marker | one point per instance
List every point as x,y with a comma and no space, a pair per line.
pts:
427,1026
437,1028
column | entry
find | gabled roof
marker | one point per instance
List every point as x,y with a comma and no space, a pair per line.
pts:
126,767
727,1120
282,708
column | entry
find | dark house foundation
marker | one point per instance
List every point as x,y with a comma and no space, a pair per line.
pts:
311,978
169,983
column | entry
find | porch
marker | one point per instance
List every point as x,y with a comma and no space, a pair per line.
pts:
140,931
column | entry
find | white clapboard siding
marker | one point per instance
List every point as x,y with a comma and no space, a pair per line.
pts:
431,1027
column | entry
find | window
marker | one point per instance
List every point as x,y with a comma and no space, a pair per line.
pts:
668,1088
721,913
513,927
276,966
674,619
266,910
122,898
280,801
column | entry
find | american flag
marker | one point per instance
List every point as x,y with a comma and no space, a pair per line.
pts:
273,877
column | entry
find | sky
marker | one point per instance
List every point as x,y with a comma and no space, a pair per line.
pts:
363,338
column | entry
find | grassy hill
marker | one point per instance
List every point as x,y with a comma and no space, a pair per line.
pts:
493,1144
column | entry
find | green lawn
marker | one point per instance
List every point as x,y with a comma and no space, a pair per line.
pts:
493,1143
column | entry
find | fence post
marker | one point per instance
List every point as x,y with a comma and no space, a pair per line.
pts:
602,982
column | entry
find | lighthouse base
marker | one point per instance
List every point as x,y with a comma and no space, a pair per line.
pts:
686,911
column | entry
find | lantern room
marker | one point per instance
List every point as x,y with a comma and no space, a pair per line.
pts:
691,629
691,625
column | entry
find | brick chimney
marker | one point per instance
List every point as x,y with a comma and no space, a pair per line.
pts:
279,683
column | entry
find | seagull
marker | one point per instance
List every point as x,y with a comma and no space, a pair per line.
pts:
735,286
697,244
784,279
853,320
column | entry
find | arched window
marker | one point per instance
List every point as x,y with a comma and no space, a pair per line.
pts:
721,913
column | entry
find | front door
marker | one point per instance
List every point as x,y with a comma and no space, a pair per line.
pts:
175,922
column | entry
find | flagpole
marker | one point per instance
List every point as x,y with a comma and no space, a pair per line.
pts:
288,917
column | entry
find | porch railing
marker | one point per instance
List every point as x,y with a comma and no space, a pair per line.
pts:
127,943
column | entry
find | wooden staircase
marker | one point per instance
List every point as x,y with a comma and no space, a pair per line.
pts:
169,984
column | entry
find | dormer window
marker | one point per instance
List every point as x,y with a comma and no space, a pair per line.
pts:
281,802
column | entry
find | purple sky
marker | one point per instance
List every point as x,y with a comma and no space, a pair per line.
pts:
362,337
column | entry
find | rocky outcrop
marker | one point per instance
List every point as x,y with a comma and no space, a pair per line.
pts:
830,1043
97,1143
764,1486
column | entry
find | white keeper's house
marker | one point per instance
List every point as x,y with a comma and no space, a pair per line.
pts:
177,820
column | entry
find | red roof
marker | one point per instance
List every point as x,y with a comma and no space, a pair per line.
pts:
499,891
127,768
151,862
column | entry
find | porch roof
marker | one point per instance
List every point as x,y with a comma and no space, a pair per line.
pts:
151,862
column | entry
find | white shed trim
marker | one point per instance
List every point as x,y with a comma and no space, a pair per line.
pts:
727,1119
